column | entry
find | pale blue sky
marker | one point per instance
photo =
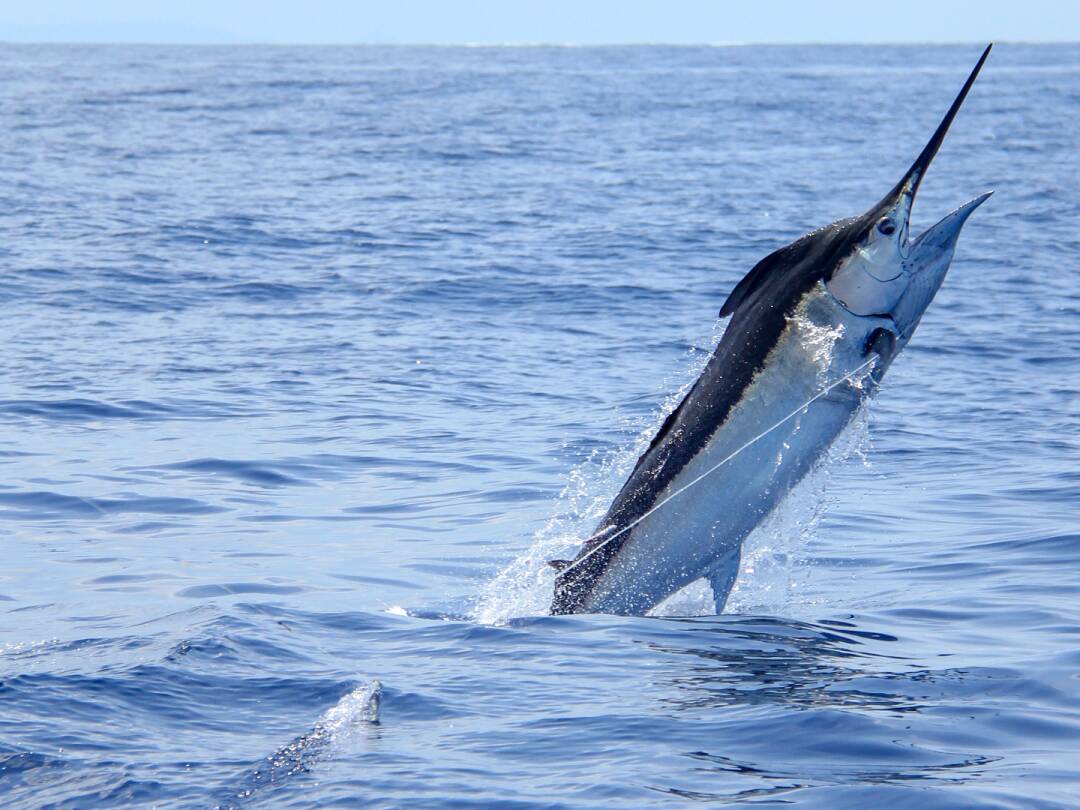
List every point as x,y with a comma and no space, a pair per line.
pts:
532,21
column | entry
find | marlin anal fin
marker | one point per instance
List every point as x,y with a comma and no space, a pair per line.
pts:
721,578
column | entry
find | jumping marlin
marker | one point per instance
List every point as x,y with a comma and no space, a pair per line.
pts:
813,328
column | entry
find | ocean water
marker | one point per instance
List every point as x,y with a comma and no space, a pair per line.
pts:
312,356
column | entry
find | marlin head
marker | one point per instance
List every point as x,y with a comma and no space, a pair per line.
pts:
887,273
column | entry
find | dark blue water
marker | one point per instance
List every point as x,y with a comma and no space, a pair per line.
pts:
312,356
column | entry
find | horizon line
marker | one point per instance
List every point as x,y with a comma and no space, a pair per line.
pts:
538,44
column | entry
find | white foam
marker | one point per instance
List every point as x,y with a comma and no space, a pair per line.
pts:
358,708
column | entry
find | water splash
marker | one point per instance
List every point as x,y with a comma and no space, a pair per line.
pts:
776,559
358,709
525,586
818,341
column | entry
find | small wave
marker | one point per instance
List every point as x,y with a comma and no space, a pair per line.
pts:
261,291
297,471
45,505
250,472
93,410
83,409
236,588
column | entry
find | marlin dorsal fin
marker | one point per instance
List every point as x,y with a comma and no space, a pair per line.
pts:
750,282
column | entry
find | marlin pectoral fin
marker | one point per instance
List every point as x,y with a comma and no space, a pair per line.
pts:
881,342
721,578
559,565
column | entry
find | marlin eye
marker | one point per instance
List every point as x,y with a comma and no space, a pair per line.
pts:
886,227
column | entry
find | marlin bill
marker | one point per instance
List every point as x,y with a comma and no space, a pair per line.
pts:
814,327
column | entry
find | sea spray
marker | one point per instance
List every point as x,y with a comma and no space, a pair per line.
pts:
777,556
525,586
356,710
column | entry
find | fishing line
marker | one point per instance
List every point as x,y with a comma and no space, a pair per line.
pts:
724,461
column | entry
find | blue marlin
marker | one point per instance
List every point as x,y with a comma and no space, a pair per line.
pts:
813,328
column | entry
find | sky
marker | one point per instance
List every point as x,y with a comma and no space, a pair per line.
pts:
538,21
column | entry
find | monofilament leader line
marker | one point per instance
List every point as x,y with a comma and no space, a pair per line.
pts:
724,461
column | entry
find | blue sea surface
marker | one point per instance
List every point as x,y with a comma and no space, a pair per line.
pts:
311,357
